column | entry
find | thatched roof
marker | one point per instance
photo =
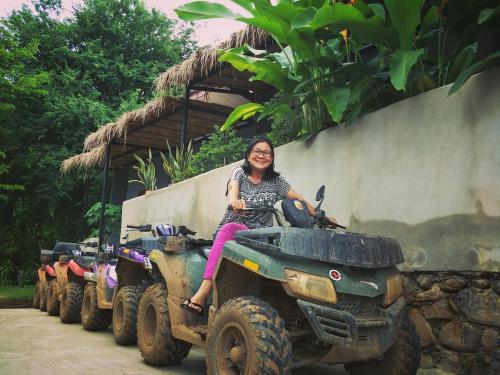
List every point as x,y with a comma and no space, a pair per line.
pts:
162,118
147,128
118,129
86,160
204,64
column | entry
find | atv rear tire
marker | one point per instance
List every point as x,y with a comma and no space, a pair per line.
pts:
94,318
403,358
44,287
52,301
248,337
36,295
125,315
71,303
154,334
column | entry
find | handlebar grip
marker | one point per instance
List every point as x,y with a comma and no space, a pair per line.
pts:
140,228
340,226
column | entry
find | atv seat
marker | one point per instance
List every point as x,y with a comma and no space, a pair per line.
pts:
48,256
204,252
144,245
85,261
107,257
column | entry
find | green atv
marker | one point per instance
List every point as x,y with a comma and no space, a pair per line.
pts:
283,298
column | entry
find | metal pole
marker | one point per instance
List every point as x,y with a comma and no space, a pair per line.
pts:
103,197
186,109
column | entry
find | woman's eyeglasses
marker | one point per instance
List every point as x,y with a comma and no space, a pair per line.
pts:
264,153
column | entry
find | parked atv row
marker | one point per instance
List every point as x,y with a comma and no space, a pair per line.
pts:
283,297
80,283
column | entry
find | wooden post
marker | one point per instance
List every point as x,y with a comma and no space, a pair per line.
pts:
103,196
186,110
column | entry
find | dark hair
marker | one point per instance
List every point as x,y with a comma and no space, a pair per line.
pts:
270,172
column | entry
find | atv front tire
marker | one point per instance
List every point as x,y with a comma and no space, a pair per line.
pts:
403,358
94,318
248,337
154,334
71,303
125,315
52,301
36,295
44,287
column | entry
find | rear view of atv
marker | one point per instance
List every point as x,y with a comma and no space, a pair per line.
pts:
97,301
65,292
132,277
46,273
283,297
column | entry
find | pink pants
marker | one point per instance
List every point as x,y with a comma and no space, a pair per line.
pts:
226,233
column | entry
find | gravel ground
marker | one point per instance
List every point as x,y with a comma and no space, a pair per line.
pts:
34,343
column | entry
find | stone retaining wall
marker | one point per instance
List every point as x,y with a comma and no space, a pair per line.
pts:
457,315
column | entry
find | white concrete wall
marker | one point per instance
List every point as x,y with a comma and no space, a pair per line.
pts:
425,171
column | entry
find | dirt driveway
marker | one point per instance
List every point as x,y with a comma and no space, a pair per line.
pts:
32,342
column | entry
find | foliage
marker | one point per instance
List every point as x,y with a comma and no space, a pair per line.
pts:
16,292
112,219
221,148
178,165
336,61
59,81
146,172
5,188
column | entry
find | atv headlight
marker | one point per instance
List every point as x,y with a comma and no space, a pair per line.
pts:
312,287
394,289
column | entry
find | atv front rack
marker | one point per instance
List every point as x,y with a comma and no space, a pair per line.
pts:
350,249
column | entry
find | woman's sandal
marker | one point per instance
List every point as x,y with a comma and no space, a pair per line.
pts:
192,307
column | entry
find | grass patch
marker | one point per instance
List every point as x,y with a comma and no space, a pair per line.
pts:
16,292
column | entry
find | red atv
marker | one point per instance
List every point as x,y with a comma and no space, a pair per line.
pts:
65,291
46,273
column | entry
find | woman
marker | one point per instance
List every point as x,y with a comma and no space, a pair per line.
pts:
254,182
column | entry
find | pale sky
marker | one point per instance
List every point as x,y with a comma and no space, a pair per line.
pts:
208,32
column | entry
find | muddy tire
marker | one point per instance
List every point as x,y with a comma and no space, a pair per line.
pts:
156,343
403,358
94,318
36,295
52,302
125,315
248,337
44,287
71,303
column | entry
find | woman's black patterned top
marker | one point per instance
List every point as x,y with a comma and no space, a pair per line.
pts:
255,195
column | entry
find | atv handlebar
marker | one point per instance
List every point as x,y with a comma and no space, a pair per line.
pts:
322,220
89,244
140,228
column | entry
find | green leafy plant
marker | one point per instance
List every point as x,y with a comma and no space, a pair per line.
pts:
336,60
178,165
146,172
112,219
318,67
220,149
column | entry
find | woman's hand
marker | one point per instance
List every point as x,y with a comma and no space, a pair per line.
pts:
333,220
237,204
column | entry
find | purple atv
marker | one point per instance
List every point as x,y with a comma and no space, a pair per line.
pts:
97,301
133,271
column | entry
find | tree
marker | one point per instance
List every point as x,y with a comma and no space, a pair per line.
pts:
72,76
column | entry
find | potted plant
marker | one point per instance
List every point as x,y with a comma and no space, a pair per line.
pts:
146,172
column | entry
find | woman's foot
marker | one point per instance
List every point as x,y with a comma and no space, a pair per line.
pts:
195,303
192,307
